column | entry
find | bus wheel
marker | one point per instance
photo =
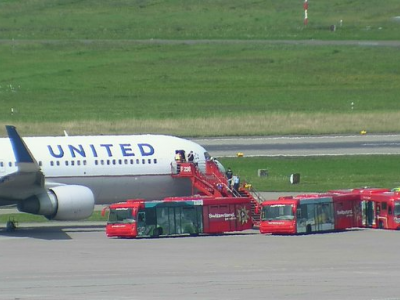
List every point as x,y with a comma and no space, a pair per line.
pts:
308,229
156,232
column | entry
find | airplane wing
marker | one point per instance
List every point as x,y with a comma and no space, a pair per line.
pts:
28,180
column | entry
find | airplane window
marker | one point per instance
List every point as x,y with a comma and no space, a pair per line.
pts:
137,161
78,162
96,162
1,164
58,163
52,163
84,162
131,161
102,162
143,161
40,163
72,163
155,160
66,162
125,161
114,162
10,164
108,162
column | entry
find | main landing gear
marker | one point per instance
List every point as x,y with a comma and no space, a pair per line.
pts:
11,224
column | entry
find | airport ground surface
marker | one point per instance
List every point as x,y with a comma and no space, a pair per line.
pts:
77,261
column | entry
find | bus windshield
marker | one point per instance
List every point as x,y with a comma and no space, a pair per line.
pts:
277,212
397,208
121,215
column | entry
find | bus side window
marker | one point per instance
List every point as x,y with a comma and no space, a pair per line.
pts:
390,210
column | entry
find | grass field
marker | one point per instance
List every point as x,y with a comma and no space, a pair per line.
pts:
27,218
218,89
318,174
92,67
192,19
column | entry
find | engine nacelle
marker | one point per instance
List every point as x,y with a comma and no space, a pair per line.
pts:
66,202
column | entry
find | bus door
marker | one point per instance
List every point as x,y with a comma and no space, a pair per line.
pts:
324,217
168,219
305,218
368,213
179,218
173,217
381,214
191,219
313,216
146,222
141,223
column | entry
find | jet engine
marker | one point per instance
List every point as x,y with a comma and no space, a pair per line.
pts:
66,202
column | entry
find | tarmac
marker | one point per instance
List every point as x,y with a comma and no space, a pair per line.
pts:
75,260
72,260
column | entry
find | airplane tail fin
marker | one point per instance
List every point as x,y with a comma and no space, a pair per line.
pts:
24,158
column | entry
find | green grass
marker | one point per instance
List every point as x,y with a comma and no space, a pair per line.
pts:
192,19
27,218
318,174
120,82
92,67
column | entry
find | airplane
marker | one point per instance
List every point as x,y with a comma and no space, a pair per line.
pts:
63,177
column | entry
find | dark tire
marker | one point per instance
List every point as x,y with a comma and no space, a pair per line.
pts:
157,232
10,226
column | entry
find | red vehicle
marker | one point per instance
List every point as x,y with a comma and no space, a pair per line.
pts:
309,213
178,216
370,201
381,210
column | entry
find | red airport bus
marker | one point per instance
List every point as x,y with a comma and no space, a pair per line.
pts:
309,213
381,210
178,216
370,202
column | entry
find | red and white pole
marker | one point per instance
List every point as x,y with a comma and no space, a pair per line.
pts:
305,5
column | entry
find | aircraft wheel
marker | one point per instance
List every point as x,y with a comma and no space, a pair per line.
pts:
11,225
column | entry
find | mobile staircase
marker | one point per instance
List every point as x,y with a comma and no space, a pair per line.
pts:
212,182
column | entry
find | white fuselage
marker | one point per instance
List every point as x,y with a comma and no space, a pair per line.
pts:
115,168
